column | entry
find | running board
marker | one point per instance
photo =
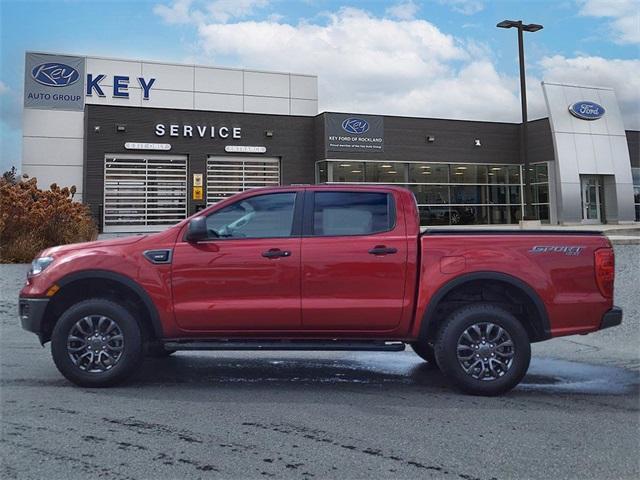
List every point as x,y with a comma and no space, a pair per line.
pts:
268,345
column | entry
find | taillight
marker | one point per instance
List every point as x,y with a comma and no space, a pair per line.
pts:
605,271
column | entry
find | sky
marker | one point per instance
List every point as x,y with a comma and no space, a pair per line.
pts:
427,58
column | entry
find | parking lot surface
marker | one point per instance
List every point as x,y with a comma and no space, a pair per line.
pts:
324,415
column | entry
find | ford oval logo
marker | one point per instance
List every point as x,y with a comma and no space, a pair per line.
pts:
357,126
55,74
586,110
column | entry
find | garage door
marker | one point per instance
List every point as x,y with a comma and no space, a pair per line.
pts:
227,176
144,192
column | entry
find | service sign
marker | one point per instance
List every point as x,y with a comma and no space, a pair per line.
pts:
245,149
54,82
147,146
354,133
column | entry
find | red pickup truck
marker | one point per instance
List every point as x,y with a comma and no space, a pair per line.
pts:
319,268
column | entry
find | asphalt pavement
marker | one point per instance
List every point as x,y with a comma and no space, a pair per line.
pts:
324,415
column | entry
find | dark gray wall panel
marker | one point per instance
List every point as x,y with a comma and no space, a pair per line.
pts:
633,140
300,141
540,141
293,140
406,139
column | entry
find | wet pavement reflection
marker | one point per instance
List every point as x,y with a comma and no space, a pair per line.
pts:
369,369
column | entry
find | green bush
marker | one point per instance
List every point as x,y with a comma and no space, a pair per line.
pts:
32,219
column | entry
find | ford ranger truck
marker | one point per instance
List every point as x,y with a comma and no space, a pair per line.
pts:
319,268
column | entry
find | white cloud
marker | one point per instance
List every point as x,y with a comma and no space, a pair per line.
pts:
624,14
373,65
188,11
370,64
622,75
224,10
178,12
466,7
3,88
403,11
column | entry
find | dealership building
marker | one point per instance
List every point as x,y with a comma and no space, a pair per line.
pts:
149,143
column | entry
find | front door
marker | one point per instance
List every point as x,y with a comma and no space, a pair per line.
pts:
591,199
246,275
354,260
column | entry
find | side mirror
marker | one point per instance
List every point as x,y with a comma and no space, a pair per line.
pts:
197,229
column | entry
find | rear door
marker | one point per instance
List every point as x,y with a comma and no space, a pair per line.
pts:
354,260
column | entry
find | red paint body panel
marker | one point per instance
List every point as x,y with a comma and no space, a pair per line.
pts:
331,287
122,256
565,284
229,285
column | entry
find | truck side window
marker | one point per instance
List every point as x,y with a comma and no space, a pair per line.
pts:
262,216
352,213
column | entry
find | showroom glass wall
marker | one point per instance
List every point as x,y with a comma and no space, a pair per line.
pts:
450,193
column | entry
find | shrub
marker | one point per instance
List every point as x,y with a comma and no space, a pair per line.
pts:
32,219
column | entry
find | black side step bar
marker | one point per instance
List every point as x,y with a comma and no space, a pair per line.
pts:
268,345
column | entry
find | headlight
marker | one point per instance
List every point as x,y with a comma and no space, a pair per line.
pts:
39,264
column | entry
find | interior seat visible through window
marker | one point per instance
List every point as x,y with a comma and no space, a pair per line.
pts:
351,213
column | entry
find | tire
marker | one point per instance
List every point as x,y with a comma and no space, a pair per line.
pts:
158,351
426,352
102,326
508,353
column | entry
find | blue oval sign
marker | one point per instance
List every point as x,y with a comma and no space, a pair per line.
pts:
586,110
357,126
55,74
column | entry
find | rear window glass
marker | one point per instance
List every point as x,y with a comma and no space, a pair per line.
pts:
351,213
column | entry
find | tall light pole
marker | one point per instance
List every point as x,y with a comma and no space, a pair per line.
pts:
524,157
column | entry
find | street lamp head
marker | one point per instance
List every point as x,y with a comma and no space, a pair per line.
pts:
532,27
507,24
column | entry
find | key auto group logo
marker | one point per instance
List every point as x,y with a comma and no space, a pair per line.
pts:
55,74
356,126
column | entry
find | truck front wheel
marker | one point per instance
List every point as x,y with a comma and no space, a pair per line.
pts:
483,350
96,343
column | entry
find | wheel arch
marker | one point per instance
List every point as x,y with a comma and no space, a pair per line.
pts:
538,328
132,294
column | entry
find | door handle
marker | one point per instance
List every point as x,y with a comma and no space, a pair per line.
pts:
276,253
382,250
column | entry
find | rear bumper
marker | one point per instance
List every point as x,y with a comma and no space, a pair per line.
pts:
31,311
612,318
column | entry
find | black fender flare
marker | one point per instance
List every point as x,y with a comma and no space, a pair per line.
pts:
128,282
488,275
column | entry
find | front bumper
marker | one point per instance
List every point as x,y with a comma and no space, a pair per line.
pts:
612,318
31,311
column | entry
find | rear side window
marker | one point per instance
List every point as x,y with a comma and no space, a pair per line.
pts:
352,213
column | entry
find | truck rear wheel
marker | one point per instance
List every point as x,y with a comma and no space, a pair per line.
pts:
96,343
483,350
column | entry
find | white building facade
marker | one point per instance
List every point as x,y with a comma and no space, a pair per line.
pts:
54,121
148,143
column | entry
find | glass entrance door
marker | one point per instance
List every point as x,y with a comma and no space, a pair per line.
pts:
591,199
